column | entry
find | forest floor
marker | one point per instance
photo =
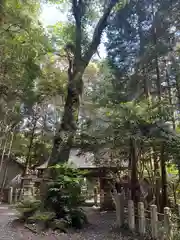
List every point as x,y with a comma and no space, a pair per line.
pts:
100,227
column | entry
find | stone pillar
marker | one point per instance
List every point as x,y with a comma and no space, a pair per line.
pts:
27,188
131,215
154,221
141,218
167,223
16,195
119,201
10,195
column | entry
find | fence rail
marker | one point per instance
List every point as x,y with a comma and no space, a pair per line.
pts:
150,222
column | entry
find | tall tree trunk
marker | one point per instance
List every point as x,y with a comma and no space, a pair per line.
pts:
63,139
78,62
164,202
141,51
7,165
159,92
2,6
157,177
3,152
135,189
28,157
170,97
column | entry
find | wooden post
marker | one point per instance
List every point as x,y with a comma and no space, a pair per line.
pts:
167,222
178,214
141,218
122,205
178,210
154,221
101,198
95,196
16,195
10,195
131,215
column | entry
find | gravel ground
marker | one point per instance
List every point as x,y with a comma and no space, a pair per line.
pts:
100,228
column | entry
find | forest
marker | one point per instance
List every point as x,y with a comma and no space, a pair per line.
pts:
57,94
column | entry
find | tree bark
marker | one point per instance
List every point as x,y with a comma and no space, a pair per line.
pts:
7,165
2,5
170,97
135,189
28,157
3,152
63,139
164,202
157,178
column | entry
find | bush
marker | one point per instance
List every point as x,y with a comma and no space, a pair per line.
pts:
78,218
60,209
27,208
42,218
60,224
64,196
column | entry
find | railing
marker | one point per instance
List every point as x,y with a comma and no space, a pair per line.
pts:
155,225
145,222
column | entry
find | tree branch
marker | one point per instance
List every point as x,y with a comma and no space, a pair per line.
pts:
77,7
101,25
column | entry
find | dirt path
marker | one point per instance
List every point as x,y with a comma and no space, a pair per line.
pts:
100,228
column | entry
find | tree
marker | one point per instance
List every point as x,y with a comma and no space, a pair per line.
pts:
79,56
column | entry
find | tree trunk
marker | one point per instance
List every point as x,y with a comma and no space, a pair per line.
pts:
157,178
78,62
2,5
170,98
7,165
164,201
159,91
3,152
28,158
135,189
63,139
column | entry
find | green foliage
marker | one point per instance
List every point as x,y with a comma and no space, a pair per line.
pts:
27,209
61,206
64,195
64,192
42,218
77,218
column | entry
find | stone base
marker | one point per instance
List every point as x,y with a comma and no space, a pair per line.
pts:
107,204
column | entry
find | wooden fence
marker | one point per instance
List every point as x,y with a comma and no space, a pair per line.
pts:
146,222
138,219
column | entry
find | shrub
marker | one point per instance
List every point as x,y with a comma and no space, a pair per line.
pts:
65,192
78,218
43,218
64,196
27,208
60,208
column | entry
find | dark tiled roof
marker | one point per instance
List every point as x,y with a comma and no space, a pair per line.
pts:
88,161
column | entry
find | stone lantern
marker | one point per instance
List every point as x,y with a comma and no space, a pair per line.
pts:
28,188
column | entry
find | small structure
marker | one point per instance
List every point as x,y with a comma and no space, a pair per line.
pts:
98,169
10,175
10,169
